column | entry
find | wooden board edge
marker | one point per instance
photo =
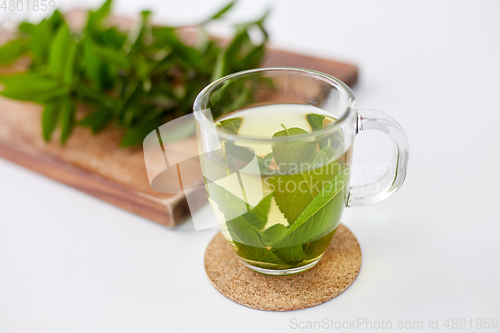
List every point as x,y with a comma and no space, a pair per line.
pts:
116,194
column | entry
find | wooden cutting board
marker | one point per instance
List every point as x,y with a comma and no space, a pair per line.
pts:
95,164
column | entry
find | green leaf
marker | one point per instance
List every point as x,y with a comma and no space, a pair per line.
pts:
56,20
247,240
21,78
335,139
241,230
272,234
220,68
97,120
94,69
11,51
58,51
135,135
234,49
254,57
317,247
188,55
40,42
221,12
129,98
69,66
104,11
111,56
258,253
95,97
322,214
265,164
245,228
128,73
143,69
163,65
49,119
326,154
231,125
261,211
168,40
229,204
291,155
40,89
26,27
316,121
67,114
294,192
237,157
292,255
113,38
137,38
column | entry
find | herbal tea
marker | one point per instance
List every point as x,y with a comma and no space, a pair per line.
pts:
282,213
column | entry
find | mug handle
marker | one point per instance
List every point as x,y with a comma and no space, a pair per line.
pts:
379,190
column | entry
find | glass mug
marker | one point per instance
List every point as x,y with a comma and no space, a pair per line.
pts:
275,149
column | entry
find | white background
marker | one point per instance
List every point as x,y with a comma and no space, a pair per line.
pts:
71,263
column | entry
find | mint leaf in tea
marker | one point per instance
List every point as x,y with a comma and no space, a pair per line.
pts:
283,213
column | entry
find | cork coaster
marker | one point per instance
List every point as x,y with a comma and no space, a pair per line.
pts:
333,274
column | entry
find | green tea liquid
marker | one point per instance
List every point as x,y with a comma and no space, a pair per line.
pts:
296,197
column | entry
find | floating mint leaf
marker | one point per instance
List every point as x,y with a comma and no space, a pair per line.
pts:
336,137
316,121
291,155
231,125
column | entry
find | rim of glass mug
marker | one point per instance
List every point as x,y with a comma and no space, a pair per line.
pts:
201,101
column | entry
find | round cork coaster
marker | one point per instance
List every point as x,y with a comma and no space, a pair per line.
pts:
333,274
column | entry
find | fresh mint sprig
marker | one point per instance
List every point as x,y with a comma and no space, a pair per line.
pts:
135,80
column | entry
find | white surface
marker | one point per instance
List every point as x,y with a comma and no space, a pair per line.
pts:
70,263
